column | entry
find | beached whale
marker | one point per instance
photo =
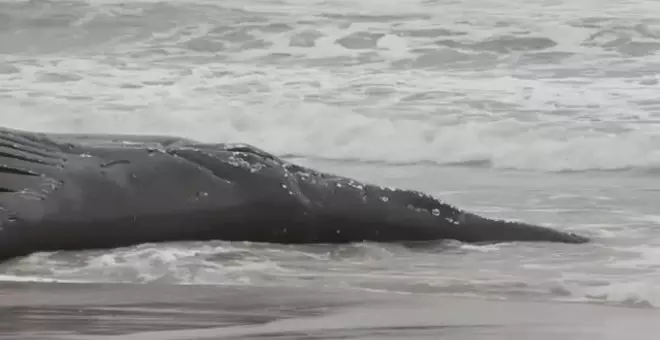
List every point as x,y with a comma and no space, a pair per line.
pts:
76,192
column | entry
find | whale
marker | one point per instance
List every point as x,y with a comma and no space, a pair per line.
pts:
74,192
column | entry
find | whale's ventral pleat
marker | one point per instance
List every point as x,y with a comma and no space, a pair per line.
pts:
4,169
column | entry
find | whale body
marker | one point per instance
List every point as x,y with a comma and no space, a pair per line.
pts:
78,192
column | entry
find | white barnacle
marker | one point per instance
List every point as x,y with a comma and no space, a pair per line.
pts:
356,185
338,185
435,212
384,198
233,161
52,186
451,220
284,186
257,167
239,162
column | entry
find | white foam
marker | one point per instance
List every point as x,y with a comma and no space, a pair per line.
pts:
510,115
24,278
456,269
644,293
288,127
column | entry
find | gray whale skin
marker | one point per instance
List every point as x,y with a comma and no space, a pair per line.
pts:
78,192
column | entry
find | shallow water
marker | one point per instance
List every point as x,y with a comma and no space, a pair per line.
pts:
543,111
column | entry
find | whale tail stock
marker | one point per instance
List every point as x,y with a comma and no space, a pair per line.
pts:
408,215
477,229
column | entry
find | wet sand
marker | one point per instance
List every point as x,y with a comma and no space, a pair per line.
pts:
42,311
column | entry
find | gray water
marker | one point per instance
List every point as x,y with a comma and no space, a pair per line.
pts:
543,111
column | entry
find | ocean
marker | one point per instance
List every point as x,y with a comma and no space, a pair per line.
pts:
545,111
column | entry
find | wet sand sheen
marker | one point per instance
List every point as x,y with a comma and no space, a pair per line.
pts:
126,311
